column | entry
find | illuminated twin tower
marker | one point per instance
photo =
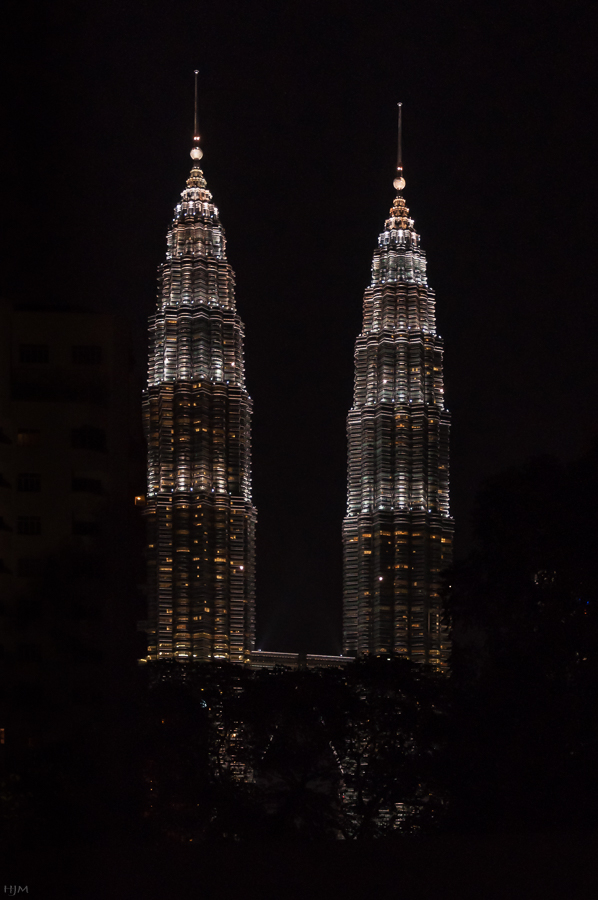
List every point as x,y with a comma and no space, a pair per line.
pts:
197,413
397,534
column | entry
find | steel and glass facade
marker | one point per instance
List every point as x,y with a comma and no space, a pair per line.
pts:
397,535
197,414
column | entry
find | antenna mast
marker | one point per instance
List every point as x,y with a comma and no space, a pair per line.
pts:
400,142
195,134
196,152
399,182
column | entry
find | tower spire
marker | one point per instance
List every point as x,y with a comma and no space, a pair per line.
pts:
399,182
196,151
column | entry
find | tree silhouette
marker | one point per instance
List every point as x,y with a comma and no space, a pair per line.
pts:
525,611
296,755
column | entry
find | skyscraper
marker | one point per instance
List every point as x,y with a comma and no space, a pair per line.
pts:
397,535
71,461
197,413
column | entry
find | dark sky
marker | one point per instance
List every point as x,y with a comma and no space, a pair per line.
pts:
298,121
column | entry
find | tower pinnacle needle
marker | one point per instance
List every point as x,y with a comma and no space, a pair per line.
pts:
400,141
399,182
196,152
195,134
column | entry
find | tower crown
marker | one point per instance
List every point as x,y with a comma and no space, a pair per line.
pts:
195,234
399,216
197,180
197,203
399,257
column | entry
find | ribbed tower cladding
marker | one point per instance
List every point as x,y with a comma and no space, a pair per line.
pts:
197,413
397,535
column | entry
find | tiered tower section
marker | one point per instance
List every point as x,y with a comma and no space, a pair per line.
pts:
197,413
397,535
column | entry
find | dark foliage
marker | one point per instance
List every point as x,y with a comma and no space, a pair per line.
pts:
303,755
525,661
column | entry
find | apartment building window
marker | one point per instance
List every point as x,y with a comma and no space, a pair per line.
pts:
28,437
29,481
34,353
29,525
88,438
87,355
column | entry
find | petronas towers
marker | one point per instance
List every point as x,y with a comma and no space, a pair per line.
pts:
197,413
397,534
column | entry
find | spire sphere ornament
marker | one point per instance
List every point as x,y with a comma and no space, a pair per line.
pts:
196,153
399,183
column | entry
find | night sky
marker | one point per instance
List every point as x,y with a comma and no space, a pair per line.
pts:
298,121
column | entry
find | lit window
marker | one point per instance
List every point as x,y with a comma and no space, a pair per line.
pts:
28,437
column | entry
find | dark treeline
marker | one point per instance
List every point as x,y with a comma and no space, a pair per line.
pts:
524,605
508,743
290,755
